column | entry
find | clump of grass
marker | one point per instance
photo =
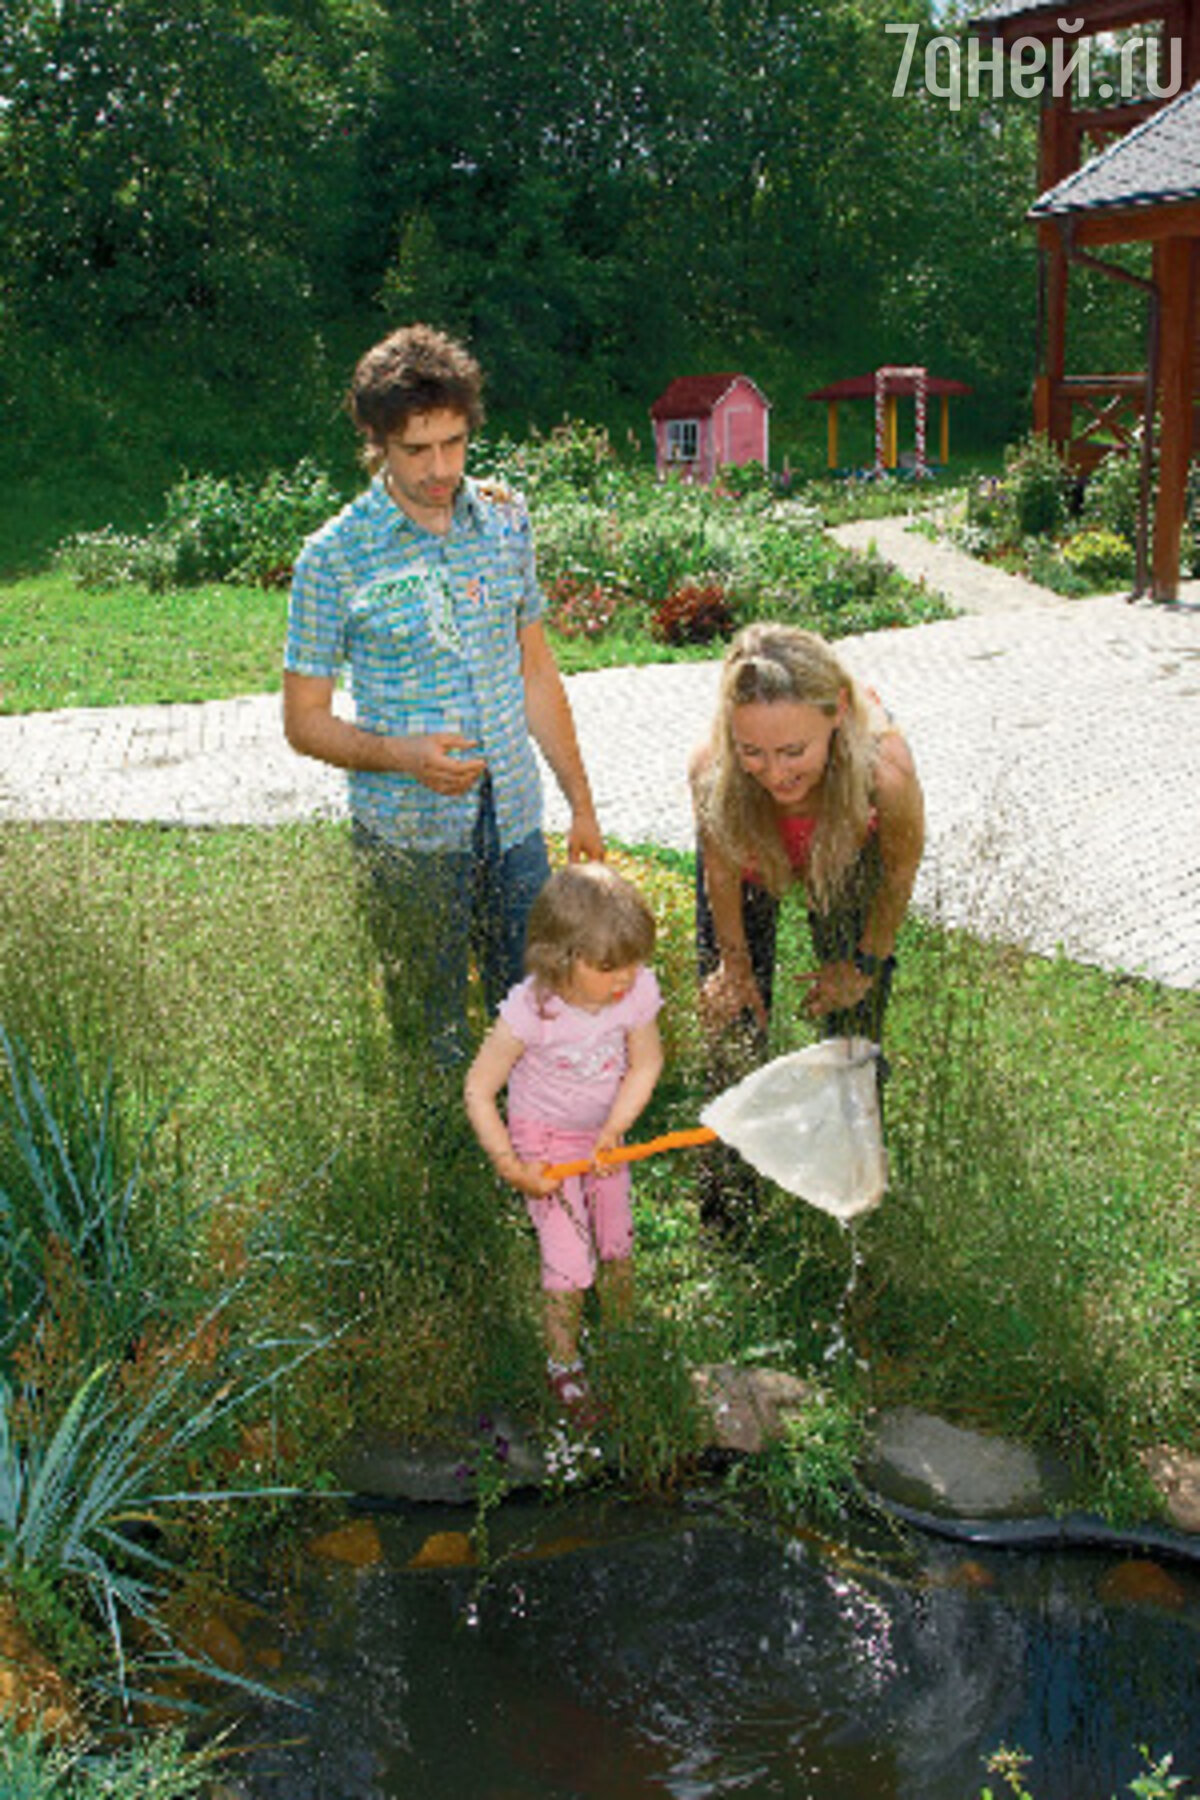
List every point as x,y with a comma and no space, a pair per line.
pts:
809,1475
162,1767
111,1396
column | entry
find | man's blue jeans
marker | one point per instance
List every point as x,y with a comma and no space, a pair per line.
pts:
430,913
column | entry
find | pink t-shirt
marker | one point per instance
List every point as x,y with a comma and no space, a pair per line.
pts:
574,1060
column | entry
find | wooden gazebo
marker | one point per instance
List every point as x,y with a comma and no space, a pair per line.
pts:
1139,194
900,383
1146,189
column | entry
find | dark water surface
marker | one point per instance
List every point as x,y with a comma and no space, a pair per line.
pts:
620,1651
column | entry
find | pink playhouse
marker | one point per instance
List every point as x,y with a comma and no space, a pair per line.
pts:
702,422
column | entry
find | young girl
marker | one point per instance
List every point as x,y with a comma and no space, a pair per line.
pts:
577,1046
804,779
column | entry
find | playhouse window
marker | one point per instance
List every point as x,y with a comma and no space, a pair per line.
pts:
683,439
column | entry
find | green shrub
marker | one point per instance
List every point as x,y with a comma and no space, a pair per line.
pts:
106,559
739,479
1113,496
990,510
224,530
1103,559
574,455
1043,562
215,529
1038,480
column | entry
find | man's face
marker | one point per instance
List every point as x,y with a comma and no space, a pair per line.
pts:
424,464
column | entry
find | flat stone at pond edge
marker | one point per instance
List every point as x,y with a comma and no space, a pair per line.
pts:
746,1409
923,1462
1177,1478
387,1467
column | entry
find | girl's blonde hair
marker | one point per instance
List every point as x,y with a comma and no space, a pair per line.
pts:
772,663
586,911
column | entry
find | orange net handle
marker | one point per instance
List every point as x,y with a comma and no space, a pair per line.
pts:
670,1140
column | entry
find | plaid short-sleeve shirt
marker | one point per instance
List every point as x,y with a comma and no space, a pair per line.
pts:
428,627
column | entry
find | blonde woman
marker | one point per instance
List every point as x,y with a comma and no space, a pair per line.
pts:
804,779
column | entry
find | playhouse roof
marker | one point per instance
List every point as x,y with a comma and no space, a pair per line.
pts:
862,387
695,396
1155,163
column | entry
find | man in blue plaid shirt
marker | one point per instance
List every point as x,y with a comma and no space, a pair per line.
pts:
425,589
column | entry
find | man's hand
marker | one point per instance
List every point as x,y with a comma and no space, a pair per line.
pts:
585,842
437,763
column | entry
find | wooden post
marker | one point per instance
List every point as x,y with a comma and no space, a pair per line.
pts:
891,454
944,430
1174,274
1058,156
832,432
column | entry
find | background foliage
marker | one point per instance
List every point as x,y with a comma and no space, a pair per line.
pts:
208,214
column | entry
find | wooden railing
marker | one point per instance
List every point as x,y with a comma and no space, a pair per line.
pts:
1089,415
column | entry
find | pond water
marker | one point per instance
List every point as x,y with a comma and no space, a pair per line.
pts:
619,1651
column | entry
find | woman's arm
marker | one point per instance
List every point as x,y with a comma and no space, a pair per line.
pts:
731,988
900,806
637,1084
494,1062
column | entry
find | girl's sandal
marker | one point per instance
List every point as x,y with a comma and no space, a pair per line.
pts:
569,1385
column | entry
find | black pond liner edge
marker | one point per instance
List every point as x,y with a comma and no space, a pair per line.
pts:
1071,1531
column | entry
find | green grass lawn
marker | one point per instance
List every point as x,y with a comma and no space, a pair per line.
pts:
61,645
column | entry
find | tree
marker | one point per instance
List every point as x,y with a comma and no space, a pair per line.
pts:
164,178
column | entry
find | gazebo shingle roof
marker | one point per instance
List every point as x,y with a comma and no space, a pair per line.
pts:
1002,10
1155,163
862,387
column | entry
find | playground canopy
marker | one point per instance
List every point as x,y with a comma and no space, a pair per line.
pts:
887,385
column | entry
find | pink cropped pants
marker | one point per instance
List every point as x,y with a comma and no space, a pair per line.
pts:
587,1220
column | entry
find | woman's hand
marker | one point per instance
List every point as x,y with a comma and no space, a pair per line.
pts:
835,987
730,991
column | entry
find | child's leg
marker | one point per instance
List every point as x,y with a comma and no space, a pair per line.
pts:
611,1200
615,1286
563,1315
564,1243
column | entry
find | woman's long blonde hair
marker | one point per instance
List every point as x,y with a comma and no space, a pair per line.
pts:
772,663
